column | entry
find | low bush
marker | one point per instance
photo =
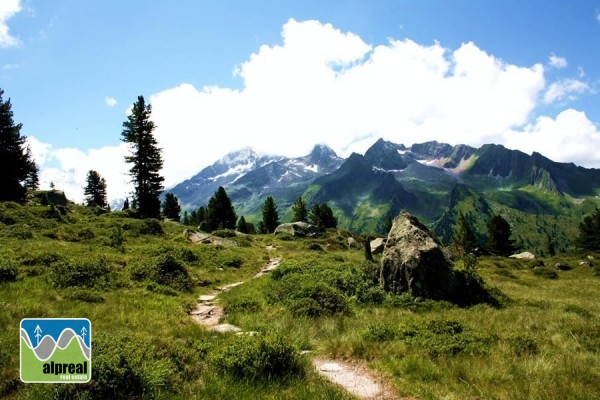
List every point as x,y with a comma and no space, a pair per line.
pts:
87,296
379,332
166,270
545,272
149,226
19,231
243,304
258,358
224,233
81,272
522,344
8,271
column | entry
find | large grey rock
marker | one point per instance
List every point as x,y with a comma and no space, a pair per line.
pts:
300,229
414,261
377,245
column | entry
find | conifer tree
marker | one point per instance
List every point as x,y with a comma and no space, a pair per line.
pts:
589,232
499,241
145,158
186,218
220,213
464,235
126,204
270,216
32,182
17,161
300,211
95,190
322,216
171,207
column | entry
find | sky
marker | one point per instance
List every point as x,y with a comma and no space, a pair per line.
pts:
281,76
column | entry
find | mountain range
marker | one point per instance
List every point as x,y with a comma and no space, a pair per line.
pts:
435,181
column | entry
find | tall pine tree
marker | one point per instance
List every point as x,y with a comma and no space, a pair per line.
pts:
464,236
499,241
171,207
270,216
95,190
17,162
220,213
145,158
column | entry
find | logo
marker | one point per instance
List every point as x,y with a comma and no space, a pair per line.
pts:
56,350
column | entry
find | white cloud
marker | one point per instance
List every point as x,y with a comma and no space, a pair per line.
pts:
570,137
8,9
321,85
557,62
110,101
67,168
598,16
565,89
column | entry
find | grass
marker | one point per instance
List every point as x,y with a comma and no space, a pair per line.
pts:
543,343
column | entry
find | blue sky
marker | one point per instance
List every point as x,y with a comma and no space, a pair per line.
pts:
281,76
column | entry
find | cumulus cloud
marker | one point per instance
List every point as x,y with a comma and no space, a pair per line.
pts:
565,89
569,137
8,9
67,168
322,85
557,62
110,101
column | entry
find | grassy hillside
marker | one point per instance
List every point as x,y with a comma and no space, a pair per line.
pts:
137,281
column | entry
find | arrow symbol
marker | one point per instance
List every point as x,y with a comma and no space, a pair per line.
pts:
38,333
83,331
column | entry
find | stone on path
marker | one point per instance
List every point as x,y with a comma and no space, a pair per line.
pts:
355,379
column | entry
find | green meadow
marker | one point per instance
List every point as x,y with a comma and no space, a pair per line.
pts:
138,280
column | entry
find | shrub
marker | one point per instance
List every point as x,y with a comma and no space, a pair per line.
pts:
522,344
370,294
168,271
21,231
81,272
150,226
8,271
243,304
87,296
124,368
224,233
325,300
545,272
235,262
258,357
379,333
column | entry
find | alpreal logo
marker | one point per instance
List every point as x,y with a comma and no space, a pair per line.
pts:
56,350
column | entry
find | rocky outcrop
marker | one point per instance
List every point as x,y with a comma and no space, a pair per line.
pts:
354,244
414,261
300,229
377,245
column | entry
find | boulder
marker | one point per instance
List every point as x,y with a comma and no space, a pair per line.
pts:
414,261
377,245
354,244
524,256
562,267
300,229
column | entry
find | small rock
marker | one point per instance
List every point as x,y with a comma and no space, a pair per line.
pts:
524,256
354,244
585,263
225,328
562,267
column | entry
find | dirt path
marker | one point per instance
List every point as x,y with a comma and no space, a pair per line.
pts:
355,378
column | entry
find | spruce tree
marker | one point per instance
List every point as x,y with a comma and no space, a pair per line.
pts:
499,241
171,207
145,158
322,216
95,190
126,204
17,161
464,235
589,232
270,216
186,218
241,225
32,182
300,211
220,213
